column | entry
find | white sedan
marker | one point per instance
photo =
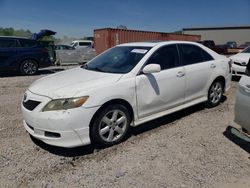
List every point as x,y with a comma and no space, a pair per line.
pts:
239,62
125,86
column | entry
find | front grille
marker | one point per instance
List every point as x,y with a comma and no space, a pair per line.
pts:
236,63
30,104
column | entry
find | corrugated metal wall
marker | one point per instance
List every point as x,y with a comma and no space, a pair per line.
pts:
108,37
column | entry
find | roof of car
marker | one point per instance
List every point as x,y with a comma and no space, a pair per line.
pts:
154,43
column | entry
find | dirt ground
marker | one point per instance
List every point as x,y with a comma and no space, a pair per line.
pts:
191,148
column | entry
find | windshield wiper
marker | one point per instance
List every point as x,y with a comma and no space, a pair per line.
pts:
85,66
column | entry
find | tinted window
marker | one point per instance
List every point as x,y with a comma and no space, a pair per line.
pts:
191,54
84,43
206,56
68,48
27,43
247,50
167,57
7,43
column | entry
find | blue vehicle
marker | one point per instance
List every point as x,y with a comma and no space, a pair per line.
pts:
23,55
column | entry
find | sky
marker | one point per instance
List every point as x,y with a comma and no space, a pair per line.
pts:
78,18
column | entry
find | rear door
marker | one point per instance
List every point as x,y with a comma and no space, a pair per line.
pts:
8,55
198,65
242,103
67,54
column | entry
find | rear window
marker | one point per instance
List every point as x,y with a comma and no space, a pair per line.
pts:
7,43
191,54
27,43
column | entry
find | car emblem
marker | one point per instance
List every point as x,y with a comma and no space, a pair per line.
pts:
25,97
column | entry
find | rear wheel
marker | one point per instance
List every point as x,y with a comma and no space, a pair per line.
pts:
111,125
28,67
215,94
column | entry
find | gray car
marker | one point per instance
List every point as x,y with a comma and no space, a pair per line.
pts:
66,54
242,105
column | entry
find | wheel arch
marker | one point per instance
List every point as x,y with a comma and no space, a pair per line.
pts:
112,102
222,79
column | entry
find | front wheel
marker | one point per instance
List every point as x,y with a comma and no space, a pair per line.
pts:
111,125
215,94
28,67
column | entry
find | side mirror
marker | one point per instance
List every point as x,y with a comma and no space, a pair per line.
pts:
151,68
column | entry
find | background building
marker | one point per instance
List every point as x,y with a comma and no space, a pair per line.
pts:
221,35
106,38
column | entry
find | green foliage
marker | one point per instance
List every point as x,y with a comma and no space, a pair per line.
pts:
48,38
12,32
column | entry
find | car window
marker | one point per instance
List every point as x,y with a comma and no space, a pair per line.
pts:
68,48
247,50
27,43
84,43
7,43
191,54
206,56
120,59
167,57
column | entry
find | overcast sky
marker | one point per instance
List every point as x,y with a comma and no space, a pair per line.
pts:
78,18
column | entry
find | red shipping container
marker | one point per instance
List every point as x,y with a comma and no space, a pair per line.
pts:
109,37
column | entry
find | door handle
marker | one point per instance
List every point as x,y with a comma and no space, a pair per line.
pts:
180,74
212,66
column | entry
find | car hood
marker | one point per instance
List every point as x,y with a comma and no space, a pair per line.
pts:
241,57
72,83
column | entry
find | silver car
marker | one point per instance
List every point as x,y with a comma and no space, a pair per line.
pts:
66,54
242,105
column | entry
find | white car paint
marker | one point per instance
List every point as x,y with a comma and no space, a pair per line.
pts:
239,62
80,44
149,95
242,103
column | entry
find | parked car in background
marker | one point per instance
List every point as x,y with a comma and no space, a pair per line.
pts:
242,106
125,86
82,44
66,54
23,55
239,62
48,43
220,49
231,44
243,46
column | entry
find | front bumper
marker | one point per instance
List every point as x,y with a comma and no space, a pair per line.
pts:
238,70
64,128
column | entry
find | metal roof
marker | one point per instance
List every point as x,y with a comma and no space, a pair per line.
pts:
216,28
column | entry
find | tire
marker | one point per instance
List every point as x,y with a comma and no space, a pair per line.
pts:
106,130
215,93
28,67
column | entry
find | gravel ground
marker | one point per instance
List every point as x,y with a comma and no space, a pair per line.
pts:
190,148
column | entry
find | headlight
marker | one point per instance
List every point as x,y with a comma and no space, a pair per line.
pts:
65,104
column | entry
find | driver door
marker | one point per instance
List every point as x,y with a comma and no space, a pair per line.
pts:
164,90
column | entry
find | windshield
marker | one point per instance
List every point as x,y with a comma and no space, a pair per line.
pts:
247,50
121,59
